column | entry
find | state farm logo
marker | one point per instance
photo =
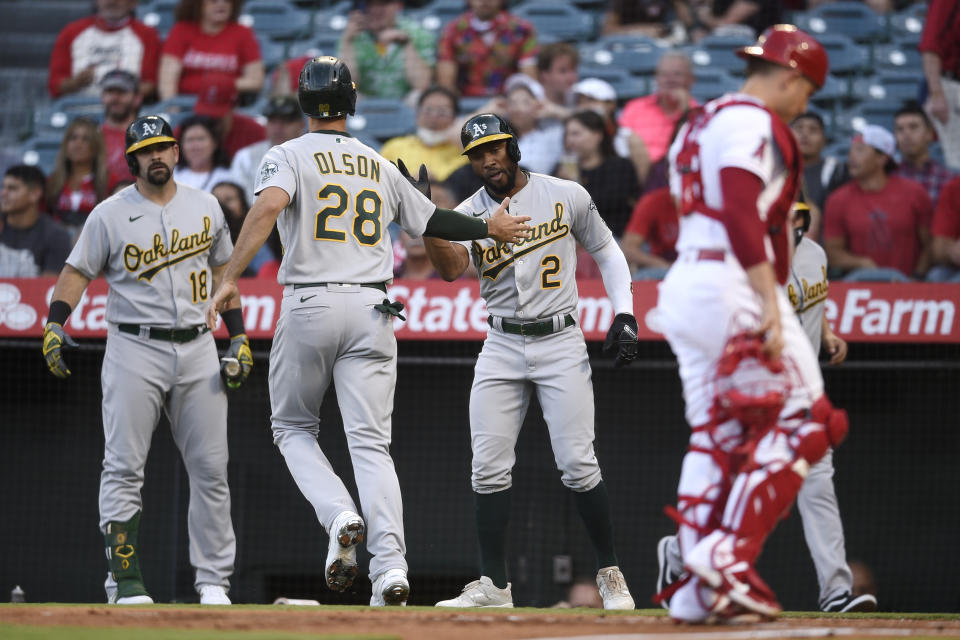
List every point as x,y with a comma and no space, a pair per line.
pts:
13,313
861,312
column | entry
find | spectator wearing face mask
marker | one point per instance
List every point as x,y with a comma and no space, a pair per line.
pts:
434,144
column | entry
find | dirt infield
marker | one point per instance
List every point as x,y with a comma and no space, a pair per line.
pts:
415,623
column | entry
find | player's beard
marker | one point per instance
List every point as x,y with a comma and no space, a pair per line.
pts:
501,192
158,178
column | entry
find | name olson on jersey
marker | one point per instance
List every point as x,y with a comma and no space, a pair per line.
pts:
499,256
181,248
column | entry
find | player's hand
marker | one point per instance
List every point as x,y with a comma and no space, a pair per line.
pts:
240,351
224,294
937,105
622,339
835,346
422,184
54,339
771,331
503,227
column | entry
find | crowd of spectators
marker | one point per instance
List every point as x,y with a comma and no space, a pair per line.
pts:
886,210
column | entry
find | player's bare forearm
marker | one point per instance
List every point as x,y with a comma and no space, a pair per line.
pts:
763,281
255,231
252,78
449,259
232,303
70,286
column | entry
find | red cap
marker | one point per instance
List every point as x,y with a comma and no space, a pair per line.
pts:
787,46
217,97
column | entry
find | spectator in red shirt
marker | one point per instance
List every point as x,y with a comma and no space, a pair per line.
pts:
946,235
216,101
651,235
940,47
206,40
877,226
121,100
79,179
915,134
654,117
88,48
483,47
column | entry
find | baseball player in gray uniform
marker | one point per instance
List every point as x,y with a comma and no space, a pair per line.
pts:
807,289
534,346
332,198
161,247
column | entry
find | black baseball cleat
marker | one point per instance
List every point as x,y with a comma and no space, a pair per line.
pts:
847,603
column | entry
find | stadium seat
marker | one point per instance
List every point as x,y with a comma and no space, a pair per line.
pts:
626,85
557,19
710,84
846,56
176,104
719,52
889,85
322,45
434,16
853,19
382,118
41,151
896,57
54,118
333,19
635,54
272,52
835,90
277,19
878,112
158,14
908,24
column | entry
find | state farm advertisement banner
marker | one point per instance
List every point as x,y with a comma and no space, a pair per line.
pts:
437,310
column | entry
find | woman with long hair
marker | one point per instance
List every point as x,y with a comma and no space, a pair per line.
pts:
609,179
206,39
80,178
233,201
203,162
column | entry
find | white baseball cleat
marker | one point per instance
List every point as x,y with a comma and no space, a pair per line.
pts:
345,534
213,594
613,589
391,588
481,593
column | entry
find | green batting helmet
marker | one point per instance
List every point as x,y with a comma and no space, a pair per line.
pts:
489,127
144,132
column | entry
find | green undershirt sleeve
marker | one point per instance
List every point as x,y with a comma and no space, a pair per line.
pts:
447,224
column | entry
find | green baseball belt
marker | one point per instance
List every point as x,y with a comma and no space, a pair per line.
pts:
538,328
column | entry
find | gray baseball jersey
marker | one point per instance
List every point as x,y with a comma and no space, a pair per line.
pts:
343,194
157,261
807,288
342,198
535,278
817,501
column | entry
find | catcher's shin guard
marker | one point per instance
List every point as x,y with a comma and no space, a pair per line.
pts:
123,557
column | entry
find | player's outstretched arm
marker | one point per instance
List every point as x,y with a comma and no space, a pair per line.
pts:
502,227
256,228
449,259
66,294
621,338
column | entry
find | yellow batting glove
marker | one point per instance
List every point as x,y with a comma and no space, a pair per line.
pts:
54,339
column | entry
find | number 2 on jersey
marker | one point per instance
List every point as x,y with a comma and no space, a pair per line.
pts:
198,281
552,266
366,222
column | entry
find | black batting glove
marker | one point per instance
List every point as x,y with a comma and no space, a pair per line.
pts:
422,184
622,339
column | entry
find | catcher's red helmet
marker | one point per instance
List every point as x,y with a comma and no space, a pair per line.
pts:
787,46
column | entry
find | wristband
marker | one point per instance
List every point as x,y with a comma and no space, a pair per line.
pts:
59,312
233,319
